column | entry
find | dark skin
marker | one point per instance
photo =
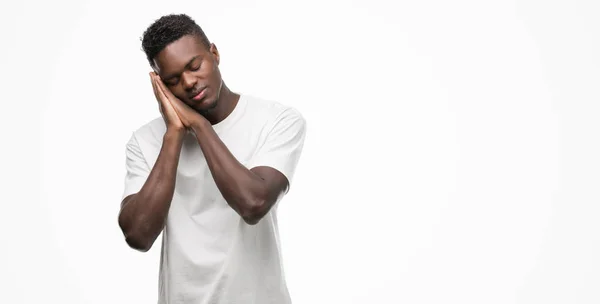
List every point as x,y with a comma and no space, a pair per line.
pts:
182,70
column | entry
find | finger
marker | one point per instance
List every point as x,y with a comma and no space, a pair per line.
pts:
154,88
159,87
166,92
152,81
155,83
160,93
159,82
178,105
167,96
160,97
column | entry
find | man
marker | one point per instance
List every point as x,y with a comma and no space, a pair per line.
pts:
208,174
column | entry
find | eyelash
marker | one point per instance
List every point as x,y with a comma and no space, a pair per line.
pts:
191,68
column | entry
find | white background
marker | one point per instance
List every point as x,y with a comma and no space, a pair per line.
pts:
453,151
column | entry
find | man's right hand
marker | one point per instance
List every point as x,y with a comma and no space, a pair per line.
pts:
166,109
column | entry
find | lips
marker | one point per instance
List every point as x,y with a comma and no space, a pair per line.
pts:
198,94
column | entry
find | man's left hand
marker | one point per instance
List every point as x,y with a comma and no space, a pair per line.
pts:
188,116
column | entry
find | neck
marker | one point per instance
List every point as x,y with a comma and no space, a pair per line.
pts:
225,105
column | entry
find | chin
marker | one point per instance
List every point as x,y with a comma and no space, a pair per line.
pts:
206,105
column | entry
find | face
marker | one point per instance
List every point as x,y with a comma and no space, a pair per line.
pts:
191,72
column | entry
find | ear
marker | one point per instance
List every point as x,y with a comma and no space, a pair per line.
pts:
215,52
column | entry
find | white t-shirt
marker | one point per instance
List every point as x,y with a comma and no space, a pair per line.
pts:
209,254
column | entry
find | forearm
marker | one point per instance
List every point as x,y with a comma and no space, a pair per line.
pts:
144,214
243,190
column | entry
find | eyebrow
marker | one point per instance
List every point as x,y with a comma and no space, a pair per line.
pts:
170,76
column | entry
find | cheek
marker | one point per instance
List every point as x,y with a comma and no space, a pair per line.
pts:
179,92
215,77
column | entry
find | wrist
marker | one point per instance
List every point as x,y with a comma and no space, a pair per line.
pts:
199,125
176,133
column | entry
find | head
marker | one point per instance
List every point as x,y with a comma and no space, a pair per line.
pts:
181,54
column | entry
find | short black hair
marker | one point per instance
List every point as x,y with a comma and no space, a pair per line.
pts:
168,29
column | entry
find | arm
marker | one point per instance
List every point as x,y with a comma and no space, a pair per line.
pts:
251,193
144,211
143,214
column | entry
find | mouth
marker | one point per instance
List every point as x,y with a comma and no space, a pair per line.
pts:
198,95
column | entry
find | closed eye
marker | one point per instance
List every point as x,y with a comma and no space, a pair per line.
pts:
195,67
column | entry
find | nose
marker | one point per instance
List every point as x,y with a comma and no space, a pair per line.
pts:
189,81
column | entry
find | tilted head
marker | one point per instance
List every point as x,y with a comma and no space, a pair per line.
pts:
181,54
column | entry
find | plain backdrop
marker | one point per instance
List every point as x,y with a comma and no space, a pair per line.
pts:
452,155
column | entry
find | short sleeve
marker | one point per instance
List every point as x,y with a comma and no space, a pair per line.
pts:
283,145
136,166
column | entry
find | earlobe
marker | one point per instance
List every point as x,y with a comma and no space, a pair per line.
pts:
215,52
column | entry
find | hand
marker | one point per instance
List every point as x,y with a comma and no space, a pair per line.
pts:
189,117
167,111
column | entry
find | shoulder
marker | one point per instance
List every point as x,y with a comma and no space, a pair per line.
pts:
272,112
151,131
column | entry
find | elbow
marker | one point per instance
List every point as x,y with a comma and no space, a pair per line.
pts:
134,238
255,211
138,243
252,219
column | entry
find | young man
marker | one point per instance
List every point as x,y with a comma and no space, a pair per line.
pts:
208,174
